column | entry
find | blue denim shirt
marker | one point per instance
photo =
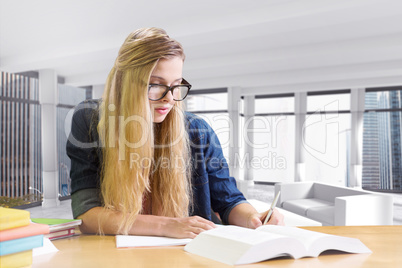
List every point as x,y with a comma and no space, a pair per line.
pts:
213,188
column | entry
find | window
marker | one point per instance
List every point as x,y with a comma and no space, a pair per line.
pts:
273,154
382,164
337,100
272,138
326,141
206,102
272,104
212,106
20,140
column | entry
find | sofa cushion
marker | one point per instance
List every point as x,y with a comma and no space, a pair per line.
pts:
324,214
330,192
300,206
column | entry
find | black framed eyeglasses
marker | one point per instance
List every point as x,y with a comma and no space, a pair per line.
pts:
158,92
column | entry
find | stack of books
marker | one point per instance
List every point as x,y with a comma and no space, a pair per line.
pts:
18,236
59,228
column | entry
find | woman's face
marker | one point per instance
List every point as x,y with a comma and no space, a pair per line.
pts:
167,72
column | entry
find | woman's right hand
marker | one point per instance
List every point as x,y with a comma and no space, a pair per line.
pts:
188,227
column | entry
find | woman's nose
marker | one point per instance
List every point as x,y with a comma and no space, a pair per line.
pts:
168,97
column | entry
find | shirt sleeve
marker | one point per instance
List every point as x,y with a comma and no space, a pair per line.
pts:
224,192
84,151
84,200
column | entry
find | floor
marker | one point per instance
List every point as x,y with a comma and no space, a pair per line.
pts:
260,192
63,211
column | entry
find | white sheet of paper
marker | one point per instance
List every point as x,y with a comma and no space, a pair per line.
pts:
47,247
124,241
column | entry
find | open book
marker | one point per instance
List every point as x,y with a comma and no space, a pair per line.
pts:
237,245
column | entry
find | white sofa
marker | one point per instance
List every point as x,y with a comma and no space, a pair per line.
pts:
335,205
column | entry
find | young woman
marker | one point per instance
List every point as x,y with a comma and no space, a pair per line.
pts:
140,164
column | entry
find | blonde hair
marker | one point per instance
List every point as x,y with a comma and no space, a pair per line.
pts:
140,157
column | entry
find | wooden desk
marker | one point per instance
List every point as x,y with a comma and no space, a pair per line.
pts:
100,251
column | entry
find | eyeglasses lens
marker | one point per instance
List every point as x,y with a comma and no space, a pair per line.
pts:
156,92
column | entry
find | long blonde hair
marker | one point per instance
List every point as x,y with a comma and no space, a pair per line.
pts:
139,157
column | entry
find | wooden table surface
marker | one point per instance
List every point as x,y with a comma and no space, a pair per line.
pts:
101,251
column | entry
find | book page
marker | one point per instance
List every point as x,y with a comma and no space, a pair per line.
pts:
304,236
243,235
48,247
148,241
315,242
333,242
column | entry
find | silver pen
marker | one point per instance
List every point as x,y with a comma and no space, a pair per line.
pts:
271,209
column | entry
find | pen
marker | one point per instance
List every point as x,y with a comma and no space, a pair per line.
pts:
271,209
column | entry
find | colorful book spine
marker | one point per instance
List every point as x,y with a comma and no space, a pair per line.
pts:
24,231
61,234
59,228
18,236
12,218
17,260
20,244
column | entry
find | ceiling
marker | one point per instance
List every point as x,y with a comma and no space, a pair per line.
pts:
259,45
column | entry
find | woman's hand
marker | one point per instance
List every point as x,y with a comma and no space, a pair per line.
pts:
256,220
276,218
245,215
188,227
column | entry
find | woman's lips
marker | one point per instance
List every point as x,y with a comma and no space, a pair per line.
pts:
162,110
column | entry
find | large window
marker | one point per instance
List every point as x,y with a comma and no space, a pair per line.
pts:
269,132
382,147
273,138
326,141
212,106
20,140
